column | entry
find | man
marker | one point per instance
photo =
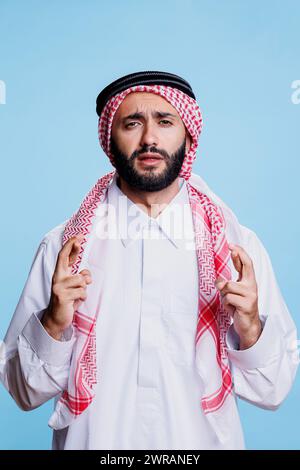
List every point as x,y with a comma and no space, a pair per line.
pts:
151,309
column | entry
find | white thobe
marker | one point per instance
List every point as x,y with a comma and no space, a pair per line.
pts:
148,394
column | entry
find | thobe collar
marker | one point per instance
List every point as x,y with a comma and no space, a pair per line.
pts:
175,220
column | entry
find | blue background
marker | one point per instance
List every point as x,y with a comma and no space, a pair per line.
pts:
241,58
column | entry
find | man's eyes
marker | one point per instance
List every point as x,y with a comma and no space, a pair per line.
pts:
135,122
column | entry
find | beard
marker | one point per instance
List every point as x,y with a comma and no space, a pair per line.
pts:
148,180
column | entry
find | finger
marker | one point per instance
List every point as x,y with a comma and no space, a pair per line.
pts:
220,282
78,293
76,280
230,309
74,254
233,300
233,287
247,265
68,254
85,272
87,275
237,263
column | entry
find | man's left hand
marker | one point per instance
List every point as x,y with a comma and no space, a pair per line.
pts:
240,298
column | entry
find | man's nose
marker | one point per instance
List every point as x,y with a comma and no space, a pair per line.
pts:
149,137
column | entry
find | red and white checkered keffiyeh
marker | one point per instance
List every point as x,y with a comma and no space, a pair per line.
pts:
213,261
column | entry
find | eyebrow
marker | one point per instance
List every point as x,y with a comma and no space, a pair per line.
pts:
156,114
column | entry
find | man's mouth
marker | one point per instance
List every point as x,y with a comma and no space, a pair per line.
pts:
150,156
150,159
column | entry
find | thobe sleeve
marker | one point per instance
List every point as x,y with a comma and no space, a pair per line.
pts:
34,366
264,373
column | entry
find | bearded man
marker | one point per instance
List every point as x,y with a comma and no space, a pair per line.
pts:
151,309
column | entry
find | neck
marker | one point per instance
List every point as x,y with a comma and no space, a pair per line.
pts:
152,202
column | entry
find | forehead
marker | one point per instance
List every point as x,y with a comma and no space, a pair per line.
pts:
144,102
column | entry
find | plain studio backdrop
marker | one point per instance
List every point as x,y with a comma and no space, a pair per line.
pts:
242,60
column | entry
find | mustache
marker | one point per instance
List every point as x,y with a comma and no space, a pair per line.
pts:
161,152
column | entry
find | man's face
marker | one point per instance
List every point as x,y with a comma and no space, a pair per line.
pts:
145,124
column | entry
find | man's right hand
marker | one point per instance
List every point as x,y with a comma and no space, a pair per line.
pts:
67,291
